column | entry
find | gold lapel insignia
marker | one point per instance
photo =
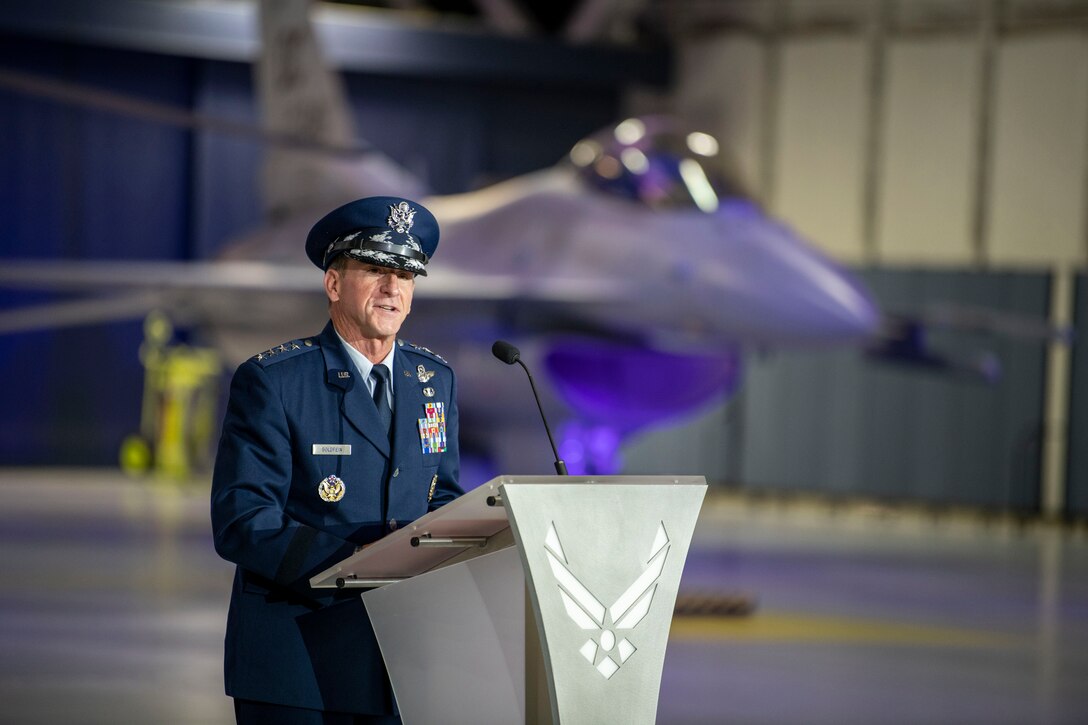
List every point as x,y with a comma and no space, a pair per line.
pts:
331,489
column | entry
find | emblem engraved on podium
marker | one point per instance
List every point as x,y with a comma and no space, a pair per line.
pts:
604,652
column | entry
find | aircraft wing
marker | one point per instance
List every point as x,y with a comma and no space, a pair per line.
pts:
92,292
100,276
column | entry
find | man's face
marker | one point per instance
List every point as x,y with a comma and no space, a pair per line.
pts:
368,301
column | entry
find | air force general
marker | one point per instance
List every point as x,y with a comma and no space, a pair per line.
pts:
329,443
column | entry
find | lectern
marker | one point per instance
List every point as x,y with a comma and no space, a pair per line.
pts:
531,599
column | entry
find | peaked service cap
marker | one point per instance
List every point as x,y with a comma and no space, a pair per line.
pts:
386,231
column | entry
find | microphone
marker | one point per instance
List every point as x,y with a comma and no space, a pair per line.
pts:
509,354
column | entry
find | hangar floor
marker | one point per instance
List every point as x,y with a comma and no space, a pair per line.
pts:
112,605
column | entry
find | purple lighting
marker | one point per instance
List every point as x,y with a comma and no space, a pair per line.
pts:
618,389
589,449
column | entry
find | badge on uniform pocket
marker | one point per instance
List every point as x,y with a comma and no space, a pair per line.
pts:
432,428
331,489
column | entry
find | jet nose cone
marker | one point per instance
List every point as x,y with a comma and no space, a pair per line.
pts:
770,286
833,302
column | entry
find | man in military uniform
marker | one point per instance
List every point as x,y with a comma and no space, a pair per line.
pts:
329,443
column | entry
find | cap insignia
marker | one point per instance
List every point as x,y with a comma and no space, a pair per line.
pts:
400,217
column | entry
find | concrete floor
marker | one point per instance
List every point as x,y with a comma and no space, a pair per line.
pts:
112,605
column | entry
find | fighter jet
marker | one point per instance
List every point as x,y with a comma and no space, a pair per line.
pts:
631,275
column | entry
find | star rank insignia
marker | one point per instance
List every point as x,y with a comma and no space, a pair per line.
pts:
281,348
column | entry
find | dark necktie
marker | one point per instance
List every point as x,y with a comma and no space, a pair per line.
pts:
380,373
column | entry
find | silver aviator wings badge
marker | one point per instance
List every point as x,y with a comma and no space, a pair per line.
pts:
604,652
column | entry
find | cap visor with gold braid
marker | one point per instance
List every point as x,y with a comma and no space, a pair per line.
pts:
385,231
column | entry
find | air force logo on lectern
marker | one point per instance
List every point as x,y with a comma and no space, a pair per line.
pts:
604,652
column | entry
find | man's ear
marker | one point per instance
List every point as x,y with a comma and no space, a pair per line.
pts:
332,285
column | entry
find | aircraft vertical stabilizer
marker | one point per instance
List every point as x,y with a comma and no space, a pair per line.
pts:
302,97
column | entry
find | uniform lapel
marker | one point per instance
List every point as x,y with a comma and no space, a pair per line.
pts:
406,408
359,407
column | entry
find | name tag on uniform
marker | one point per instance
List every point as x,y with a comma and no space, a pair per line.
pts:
332,449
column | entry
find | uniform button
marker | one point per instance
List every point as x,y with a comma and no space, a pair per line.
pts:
392,524
396,472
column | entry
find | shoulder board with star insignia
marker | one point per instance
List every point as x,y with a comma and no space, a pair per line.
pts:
419,348
285,350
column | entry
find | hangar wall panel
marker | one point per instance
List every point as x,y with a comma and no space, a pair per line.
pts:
928,160
1037,209
819,161
1076,488
835,422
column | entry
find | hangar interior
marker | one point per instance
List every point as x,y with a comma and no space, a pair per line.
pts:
913,538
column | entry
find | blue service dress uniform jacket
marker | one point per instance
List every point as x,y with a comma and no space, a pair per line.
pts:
287,643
